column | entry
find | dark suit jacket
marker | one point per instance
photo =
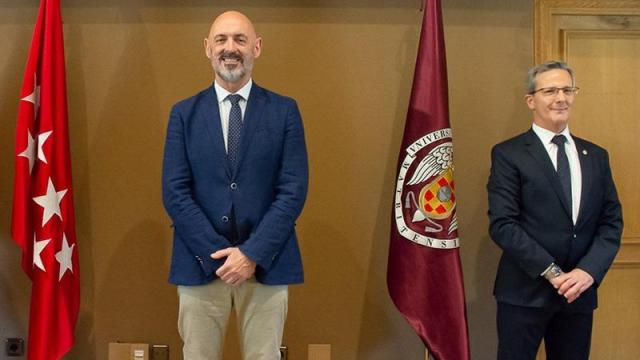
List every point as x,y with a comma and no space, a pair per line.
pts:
530,220
265,193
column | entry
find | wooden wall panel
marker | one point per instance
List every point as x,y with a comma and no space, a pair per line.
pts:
350,66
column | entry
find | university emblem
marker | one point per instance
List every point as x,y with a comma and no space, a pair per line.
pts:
425,199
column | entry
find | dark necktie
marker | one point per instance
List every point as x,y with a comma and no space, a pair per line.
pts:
235,128
564,172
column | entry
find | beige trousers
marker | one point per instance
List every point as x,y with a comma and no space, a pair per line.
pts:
204,311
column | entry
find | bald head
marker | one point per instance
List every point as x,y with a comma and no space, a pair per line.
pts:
232,45
234,19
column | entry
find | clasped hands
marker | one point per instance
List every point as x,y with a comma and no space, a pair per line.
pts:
237,268
572,284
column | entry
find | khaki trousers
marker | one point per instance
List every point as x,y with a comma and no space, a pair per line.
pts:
204,311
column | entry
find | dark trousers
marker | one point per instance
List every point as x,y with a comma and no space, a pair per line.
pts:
566,333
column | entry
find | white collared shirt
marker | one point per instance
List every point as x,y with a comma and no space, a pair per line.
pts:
574,162
224,105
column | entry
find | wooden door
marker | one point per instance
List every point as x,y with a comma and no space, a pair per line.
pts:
601,41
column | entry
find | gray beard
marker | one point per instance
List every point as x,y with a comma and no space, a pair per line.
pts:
231,75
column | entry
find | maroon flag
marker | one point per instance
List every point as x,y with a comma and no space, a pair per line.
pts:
43,218
424,274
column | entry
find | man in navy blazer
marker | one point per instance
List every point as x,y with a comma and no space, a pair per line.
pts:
554,212
234,181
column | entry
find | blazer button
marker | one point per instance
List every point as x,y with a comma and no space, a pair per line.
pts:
234,186
225,219
575,236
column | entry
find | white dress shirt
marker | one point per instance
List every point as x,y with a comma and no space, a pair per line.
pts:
574,162
225,105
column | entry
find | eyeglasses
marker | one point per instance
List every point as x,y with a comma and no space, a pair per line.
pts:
553,91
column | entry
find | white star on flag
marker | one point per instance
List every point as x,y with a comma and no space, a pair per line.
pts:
38,246
64,257
29,152
34,97
50,202
41,140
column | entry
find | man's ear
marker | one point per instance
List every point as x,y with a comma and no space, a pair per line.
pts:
257,48
529,100
207,50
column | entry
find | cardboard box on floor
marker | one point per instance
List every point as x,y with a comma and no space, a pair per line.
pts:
128,351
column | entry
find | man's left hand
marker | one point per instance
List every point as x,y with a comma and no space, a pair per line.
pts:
574,283
237,269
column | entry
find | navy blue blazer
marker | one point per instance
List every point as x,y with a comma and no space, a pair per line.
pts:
530,220
266,192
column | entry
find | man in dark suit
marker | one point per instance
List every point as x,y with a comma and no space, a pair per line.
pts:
234,182
554,212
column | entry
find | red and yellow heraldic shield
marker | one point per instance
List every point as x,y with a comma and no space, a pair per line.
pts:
438,199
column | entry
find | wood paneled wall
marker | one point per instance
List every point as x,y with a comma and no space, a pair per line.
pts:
350,66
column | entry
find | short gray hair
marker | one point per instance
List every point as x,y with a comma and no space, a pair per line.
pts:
549,65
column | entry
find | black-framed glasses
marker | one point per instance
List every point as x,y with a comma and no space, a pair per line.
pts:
553,91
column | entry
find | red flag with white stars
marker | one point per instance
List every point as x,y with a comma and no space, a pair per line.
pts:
43,222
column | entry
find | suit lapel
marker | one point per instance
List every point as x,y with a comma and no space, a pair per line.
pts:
540,154
254,111
586,168
210,115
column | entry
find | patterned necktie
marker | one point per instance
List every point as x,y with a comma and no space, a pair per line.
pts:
564,172
235,128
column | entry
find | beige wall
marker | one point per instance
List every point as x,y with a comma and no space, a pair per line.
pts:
349,64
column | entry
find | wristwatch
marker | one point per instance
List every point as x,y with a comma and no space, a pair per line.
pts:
553,271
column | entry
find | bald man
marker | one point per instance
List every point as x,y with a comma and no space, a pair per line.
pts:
234,182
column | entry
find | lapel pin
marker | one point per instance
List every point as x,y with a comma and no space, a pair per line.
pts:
584,152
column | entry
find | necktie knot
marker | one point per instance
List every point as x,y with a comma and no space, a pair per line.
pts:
234,99
559,140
